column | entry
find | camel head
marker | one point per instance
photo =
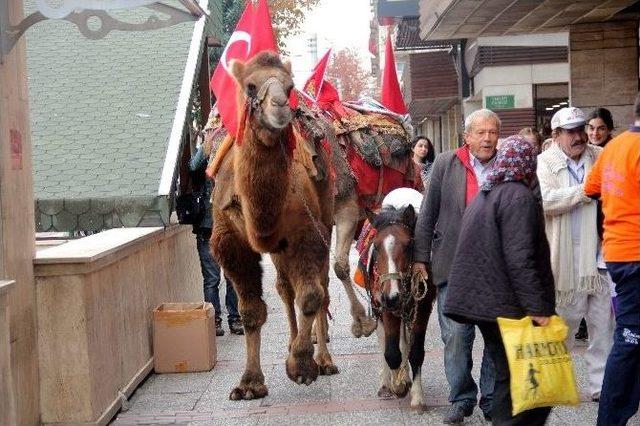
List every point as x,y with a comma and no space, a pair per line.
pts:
266,82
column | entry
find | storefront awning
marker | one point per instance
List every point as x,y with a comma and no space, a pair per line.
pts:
447,19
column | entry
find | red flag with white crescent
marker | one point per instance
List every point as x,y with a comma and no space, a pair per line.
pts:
253,34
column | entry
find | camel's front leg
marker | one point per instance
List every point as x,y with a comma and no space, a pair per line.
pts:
323,357
242,265
347,216
305,260
285,290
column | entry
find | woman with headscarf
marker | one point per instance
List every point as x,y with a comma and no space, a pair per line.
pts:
502,267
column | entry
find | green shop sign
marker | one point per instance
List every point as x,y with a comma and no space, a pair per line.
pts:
500,102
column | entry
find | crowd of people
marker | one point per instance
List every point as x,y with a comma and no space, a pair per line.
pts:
514,227
523,228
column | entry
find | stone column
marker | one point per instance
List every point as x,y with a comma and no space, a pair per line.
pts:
17,223
603,59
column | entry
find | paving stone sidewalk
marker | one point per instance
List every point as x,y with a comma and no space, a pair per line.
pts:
348,398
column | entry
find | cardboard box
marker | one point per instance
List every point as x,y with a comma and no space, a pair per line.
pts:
184,338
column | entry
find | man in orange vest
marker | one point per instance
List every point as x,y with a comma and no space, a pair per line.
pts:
615,178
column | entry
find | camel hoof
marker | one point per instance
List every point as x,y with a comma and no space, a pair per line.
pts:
356,329
369,325
384,392
328,370
302,370
248,391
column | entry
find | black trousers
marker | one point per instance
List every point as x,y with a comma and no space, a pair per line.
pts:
501,408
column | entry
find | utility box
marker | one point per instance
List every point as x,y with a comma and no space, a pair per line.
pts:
184,338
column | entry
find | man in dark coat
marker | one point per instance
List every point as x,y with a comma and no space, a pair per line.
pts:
455,178
208,265
502,266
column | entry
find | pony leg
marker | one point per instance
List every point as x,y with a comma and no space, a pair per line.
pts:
242,265
416,352
385,372
394,333
346,217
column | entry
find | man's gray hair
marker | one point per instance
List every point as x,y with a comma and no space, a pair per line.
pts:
481,114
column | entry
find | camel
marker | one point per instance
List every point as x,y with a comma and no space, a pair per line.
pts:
266,202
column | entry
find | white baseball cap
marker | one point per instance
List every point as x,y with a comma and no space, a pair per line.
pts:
568,118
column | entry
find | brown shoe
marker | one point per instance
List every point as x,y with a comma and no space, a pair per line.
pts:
235,327
219,329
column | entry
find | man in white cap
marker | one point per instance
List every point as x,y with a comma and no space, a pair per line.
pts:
582,290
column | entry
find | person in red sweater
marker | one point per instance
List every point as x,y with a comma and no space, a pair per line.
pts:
615,178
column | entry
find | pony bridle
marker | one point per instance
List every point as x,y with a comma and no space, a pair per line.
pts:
400,276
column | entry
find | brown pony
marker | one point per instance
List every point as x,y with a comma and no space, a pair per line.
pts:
402,304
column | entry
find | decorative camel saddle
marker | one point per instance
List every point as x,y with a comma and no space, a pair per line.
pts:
373,143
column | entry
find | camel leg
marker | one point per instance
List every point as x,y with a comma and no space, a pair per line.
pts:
288,296
242,265
323,357
347,215
304,259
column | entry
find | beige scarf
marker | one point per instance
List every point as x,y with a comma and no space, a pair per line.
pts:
588,279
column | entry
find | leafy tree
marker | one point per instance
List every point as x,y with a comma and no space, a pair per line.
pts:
287,15
345,71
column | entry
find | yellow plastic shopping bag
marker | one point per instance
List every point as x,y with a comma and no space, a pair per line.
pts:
539,362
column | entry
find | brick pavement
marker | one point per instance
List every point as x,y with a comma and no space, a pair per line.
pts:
346,398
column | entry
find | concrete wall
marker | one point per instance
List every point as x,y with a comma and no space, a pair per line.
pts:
518,80
17,230
95,296
604,68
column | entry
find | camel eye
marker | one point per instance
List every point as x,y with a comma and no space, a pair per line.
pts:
289,89
252,90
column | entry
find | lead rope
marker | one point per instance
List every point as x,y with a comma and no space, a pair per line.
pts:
316,226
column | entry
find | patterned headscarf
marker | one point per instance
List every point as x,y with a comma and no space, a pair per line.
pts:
516,161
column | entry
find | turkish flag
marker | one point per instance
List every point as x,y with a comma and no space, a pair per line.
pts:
253,34
391,94
314,83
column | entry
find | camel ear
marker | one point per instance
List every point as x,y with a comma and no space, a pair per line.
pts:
371,216
409,216
287,66
237,71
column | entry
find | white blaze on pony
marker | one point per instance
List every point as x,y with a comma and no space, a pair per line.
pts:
389,245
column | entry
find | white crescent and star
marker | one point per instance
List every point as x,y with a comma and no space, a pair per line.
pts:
236,37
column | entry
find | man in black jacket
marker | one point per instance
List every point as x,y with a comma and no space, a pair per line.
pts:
209,266
504,228
455,178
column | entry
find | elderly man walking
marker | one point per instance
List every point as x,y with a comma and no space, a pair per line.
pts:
455,178
571,227
615,178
